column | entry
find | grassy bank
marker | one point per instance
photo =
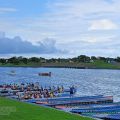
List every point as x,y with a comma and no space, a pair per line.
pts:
14,110
95,65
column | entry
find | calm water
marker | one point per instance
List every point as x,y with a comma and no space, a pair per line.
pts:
87,81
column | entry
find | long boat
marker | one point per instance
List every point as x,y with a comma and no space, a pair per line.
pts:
12,73
45,74
66,98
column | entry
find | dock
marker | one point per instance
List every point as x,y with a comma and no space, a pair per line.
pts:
100,106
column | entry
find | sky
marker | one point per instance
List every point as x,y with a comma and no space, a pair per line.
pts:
60,27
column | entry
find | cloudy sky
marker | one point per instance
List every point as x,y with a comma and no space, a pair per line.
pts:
61,27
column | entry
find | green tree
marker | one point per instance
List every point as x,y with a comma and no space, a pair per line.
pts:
83,58
93,58
117,59
3,61
103,59
34,60
14,60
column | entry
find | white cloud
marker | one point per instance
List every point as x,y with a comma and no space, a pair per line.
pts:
103,24
100,46
65,20
97,38
6,10
68,21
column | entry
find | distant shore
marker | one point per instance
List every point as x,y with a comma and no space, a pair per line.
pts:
79,62
68,65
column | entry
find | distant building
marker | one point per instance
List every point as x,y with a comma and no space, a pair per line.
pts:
43,61
111,60
70,61
92,61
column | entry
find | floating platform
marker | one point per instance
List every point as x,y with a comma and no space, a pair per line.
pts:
73,101
104,116
80,102
107,112
113,117
114,109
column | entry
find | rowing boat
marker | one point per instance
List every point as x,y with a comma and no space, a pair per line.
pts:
45,74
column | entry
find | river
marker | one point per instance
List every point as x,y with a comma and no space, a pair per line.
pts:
87,81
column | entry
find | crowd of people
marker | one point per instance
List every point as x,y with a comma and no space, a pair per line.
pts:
31,90
34,90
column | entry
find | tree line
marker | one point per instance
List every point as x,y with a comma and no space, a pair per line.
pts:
81,58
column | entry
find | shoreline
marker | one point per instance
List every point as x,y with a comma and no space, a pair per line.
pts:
69,67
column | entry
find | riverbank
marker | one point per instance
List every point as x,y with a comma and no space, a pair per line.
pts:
15,110
94,65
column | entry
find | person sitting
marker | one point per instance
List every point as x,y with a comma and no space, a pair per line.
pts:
32,97
51,94
62,88
58,89
35,95
47,94
28,88
36,88
26,96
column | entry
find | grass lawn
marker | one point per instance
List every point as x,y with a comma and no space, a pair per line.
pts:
15,110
